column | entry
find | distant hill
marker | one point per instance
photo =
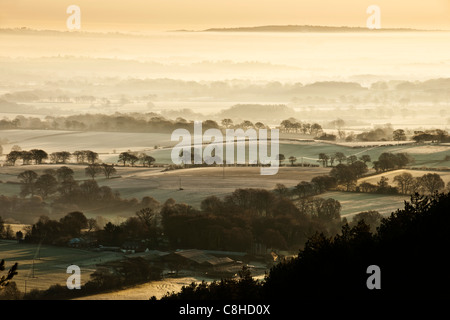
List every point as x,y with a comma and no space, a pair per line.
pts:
306,28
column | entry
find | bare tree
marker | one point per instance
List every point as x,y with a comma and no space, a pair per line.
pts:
108,170
432,182
92,170
46,185
28,178
404,181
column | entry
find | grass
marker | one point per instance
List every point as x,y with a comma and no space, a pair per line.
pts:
353,203
41,267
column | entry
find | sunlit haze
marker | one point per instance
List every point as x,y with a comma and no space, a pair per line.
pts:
140,16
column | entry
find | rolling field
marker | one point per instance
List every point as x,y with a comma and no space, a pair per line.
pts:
46,266
415,173
197,183
110,144
41,267
354,203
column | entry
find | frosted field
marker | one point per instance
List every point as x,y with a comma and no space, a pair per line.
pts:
197,183
354,203
100,142
415,173
110,144
147,290
42,267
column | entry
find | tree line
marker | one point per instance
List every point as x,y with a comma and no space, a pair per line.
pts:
348,174
39,155
235,223
406,183
119,122
56,191
80,156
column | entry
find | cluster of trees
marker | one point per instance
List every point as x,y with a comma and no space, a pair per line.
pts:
46,184
142,227
46,230
390,161
341,157
377,134
303,189
407,184
245,217
292,125
348,174
132,158
22,209
133,122
150,122
409,246
384,133
436,135
65,193
236,223
228,123
81,157
38,156
382,187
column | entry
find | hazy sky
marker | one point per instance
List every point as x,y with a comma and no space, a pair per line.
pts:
147,15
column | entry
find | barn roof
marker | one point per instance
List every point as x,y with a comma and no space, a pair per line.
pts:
201,257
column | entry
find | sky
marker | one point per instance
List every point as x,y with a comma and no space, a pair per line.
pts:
162,15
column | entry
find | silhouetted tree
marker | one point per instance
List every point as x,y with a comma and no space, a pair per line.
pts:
38,155
46,185
6,279
108,170
92,170
432,182
28,179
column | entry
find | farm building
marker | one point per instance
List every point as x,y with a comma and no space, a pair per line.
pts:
76,242
197,258
80,243
132,246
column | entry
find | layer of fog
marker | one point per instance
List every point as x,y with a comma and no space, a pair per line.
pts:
322,76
